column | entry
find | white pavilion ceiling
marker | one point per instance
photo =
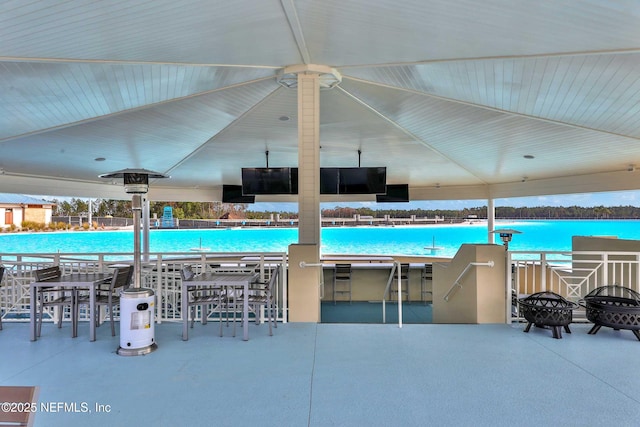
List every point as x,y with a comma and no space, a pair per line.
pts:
449,95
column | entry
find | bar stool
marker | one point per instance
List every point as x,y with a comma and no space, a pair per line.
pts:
342,278
426,283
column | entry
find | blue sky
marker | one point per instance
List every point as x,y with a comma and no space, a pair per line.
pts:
614,198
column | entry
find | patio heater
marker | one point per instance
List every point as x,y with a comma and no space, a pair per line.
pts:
505,235
136,303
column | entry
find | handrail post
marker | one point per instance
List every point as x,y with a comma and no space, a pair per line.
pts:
637,275
261,256
285,285
386,293
543,272
399,270
160,279
320,281
509,288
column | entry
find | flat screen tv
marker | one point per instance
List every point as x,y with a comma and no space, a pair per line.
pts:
233,194
329,179
257,181
362,180
395,193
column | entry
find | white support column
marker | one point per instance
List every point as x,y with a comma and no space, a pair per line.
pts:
491,220
309,159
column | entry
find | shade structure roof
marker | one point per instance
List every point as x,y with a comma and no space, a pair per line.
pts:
458,99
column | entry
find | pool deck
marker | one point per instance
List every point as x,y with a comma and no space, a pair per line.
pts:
310,374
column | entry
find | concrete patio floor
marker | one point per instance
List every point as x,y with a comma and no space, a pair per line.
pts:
310,374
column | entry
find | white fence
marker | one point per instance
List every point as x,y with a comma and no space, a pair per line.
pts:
570,274
161,273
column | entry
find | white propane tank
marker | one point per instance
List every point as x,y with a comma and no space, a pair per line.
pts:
137,322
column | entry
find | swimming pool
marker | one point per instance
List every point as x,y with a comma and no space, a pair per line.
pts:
401,240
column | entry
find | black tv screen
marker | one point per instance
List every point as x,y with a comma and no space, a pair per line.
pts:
329,179
395,193
233,194
362,180
257,181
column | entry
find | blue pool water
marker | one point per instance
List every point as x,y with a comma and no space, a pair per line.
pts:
536,235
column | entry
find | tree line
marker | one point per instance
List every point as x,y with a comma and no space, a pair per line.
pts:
122,208
506,212
215,210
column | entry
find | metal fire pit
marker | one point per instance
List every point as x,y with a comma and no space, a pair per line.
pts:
547,309
616,307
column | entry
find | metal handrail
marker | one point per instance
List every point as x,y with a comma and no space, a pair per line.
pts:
464,272
304,264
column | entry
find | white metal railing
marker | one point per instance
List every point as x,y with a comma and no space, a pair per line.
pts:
570,274
161,273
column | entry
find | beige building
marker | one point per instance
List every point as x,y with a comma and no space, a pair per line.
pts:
16,208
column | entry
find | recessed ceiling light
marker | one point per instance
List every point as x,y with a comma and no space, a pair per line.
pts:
528,156
283,118
99,159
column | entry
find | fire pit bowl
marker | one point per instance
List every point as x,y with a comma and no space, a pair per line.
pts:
615,306
547,309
